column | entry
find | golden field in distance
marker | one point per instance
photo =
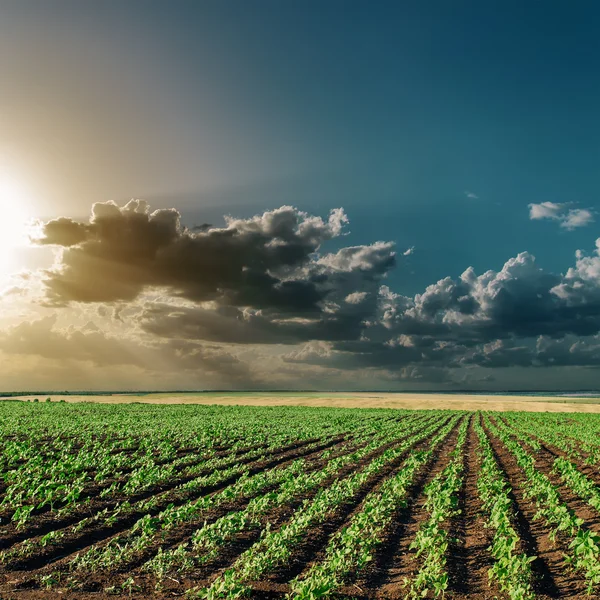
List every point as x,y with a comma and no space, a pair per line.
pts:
349,400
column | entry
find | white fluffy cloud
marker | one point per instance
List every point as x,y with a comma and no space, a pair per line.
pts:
568,218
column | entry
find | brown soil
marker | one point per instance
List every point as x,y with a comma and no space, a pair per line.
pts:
50,558
316,538
47,519
468,560
552,578
59,555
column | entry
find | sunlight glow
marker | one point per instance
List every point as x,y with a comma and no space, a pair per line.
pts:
15,215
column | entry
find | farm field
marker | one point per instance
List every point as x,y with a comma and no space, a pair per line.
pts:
207,501
401,400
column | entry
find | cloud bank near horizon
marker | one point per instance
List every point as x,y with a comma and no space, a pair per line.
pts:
224,299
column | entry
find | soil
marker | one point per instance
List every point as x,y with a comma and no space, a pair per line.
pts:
552,578
468,558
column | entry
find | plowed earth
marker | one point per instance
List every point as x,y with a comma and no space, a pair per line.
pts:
47,572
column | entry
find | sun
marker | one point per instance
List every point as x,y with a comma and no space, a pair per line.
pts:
14,218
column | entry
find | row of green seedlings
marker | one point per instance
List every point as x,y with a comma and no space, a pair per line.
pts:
433,538
589,492
352,548
206,542
216,425
63,476
110,516
67,491
92,423
145,532
19,449
85,453
145,478
582,485
156,475
47,482
511,568
581,441
55,467
276,547
584,544
61,487
173,514
222,471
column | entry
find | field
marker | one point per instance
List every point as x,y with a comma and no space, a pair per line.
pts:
207,501
402,400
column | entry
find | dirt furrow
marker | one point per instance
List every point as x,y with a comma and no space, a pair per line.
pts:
470,560
52,556
552,579
46,519
385,574
278,516
49,521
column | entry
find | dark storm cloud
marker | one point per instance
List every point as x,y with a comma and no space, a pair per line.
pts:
491,320
250,262
263,280
499,354
519,301
242,326
347,280
569,351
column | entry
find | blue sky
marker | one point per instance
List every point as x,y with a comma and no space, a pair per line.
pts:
434,124
391,110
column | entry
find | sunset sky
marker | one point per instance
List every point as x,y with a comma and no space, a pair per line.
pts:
321,194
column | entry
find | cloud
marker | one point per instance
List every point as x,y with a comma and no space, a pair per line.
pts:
490,321
356,297
260,262
63,232
471,195
579,217
569,218
89,344
545,351
41,337
256,280
521,300
208,298
14,290
377,258
545,210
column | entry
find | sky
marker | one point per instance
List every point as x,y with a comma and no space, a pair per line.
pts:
292,195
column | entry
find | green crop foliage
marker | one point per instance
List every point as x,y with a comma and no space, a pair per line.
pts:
138,497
